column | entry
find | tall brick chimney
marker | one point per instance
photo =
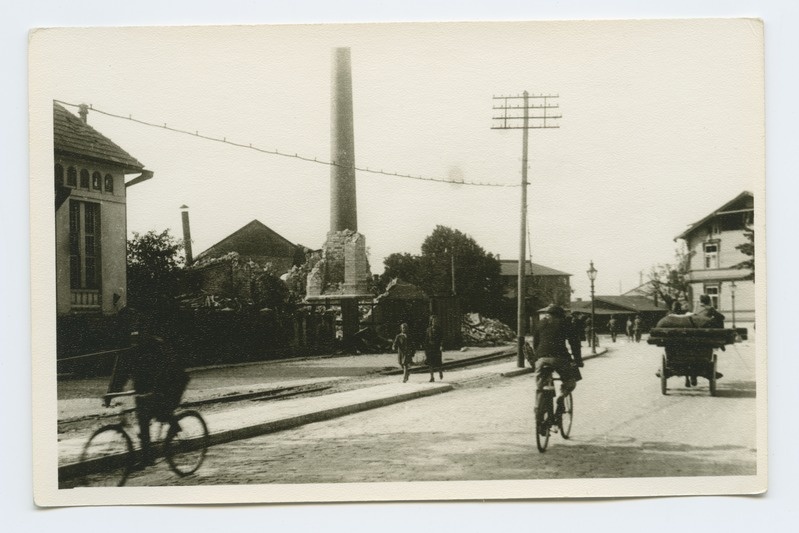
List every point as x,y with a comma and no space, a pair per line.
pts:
343,209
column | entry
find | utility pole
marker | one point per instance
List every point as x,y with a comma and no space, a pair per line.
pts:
508,119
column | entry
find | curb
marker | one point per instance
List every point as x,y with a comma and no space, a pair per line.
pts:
72,470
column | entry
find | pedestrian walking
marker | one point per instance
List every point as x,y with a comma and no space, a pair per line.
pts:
638,328
612,327
629,329
402,343
433,347
590,333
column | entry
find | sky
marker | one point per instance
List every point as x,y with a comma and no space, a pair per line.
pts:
662,122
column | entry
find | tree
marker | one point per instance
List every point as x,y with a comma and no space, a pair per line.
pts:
748,249
406,267
670,282
447,252
154,267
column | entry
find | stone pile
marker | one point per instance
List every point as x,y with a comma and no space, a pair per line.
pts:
480,331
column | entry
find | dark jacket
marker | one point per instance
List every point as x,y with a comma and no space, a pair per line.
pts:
551,338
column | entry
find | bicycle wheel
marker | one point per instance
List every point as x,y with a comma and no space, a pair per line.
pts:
107,458
565,422
543,422
186,443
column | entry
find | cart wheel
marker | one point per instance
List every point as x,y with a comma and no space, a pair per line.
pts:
713,376
663,375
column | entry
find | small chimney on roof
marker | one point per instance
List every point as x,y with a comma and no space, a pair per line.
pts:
83,112
184,209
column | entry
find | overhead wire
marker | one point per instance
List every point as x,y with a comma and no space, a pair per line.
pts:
277,152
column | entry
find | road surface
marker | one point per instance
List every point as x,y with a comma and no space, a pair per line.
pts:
623,427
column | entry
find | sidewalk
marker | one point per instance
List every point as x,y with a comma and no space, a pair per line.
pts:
246,421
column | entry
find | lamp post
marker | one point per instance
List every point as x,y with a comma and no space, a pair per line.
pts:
592,276
732,293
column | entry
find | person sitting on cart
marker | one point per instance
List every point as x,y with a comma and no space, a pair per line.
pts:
714,319
549,347
159,379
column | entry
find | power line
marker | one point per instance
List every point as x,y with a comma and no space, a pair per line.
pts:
224,140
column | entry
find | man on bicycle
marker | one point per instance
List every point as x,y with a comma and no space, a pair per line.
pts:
550,341
158,378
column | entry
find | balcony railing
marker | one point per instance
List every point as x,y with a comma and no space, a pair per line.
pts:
85,300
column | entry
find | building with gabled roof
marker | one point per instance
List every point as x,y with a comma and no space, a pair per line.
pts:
712,245
92,174
91,177
258,243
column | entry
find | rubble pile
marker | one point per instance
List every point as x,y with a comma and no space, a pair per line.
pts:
480,331
204,300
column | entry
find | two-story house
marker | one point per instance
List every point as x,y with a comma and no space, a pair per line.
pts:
91,177
712,244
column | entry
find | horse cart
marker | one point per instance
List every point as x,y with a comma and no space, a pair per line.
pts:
690,352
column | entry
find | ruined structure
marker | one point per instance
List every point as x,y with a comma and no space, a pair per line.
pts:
342,274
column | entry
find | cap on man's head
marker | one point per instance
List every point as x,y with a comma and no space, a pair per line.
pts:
704,299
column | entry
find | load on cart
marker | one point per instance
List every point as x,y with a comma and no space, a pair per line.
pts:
690,343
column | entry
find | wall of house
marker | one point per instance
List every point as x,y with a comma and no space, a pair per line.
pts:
113,236
729,256
722,276
744,301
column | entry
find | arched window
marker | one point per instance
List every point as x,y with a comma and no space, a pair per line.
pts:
59,175
84,178
72,177
109,183
97,181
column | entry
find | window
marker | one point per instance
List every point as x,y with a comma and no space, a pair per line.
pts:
711,255
84,245
72,177
109,183
59,175
84,178
713,292
96,181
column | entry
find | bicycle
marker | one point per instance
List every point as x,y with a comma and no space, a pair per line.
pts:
108,457
551,415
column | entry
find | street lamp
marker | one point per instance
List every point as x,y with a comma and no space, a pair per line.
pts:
592,276
732,293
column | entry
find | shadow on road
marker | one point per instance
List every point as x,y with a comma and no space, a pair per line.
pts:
729,389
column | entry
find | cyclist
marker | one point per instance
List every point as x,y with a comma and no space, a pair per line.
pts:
551,337
158,378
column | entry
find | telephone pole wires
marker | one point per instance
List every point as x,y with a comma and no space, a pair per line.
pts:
507,117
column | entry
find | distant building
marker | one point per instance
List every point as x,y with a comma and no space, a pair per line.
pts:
712,243
543,285
260,244
622,307
229,267
92,175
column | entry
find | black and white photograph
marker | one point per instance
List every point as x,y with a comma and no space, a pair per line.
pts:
398,261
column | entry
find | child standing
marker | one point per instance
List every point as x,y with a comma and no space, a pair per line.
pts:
404,351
